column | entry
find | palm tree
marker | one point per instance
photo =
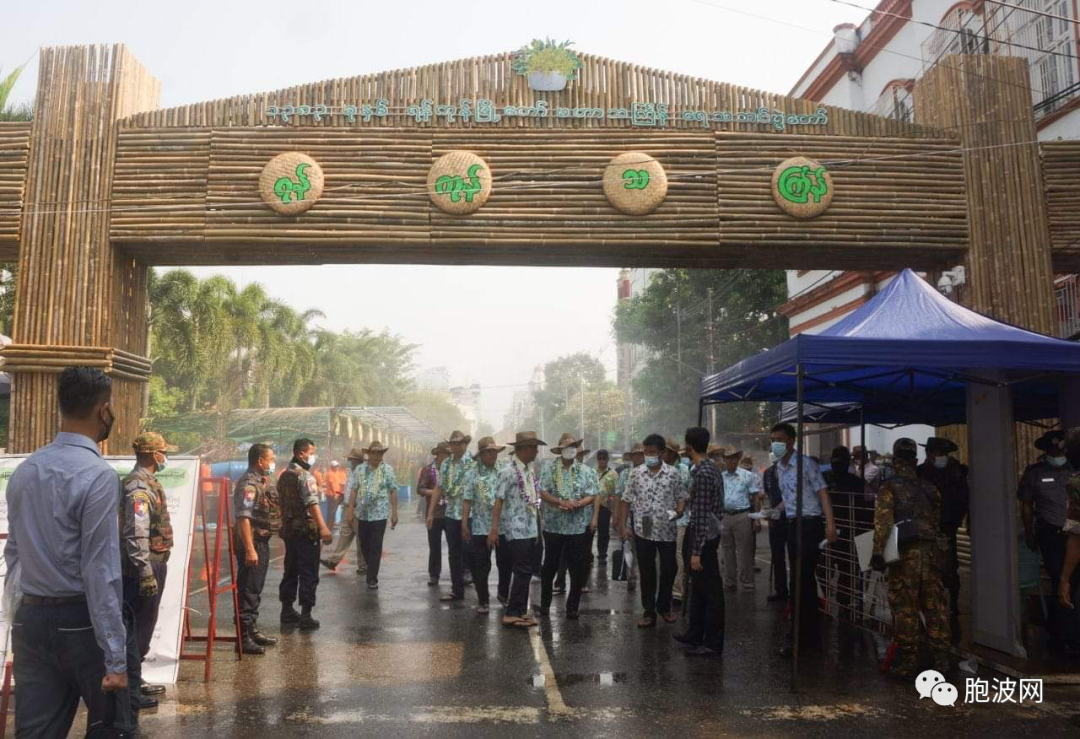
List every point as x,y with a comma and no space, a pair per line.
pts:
23,112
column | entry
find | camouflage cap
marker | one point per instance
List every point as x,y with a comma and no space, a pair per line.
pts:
905,449
151,441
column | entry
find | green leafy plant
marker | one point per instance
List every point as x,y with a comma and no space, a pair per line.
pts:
547,56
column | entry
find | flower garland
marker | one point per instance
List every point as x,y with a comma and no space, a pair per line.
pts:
364,484
485,491
452,488
559,477
532,502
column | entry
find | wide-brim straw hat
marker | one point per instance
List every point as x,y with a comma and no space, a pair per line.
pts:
526,438
638,448
673,445
730,451
441,448
938,445
488,444
356,453
459,438
584,451
376,446
566,440
715,450
1051,441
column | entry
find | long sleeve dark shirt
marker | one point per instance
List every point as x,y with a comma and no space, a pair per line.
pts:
706,504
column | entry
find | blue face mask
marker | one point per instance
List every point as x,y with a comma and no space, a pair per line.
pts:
1057,461
779,449
652,461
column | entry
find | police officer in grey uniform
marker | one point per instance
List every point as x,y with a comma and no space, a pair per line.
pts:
1043,502
146,539
258,517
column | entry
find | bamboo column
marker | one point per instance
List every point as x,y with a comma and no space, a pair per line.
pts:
78,300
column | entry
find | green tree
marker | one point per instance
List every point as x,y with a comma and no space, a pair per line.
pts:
9,112
484,429
436,408
564,378
671,319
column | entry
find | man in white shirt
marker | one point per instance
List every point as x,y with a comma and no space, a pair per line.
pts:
737,531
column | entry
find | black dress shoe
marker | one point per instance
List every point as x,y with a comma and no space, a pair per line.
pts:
433,583
685,639
146,702
700,650
262,639
148,689
572,615
250,646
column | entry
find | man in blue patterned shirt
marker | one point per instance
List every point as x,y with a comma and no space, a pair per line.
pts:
452,476
567,490
374,497
481,487
513,517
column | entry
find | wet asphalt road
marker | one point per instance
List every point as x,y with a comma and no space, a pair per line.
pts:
399,663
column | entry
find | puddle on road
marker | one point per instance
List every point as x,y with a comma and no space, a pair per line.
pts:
566,679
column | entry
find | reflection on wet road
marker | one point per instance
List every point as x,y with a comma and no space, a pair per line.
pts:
397,662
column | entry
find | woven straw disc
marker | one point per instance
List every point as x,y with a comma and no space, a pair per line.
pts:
622,171
282,168
456,165
809,209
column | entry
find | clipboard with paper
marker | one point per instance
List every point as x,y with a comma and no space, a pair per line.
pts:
864,545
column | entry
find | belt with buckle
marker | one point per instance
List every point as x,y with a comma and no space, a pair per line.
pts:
42,600
735,513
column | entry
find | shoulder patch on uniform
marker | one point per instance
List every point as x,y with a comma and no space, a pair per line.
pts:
140,507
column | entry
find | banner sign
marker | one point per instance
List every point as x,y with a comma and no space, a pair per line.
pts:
653,115
180,481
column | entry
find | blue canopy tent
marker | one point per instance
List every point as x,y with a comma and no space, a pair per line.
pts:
909,355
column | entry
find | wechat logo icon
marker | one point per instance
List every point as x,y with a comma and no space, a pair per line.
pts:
931,684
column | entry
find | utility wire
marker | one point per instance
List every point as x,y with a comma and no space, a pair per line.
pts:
1035,11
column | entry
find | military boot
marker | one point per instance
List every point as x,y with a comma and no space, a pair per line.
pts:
248,645
289,614
262,639
307,621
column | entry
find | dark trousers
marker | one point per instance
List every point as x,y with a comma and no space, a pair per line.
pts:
536,558
301,572
778,539
603,533
950,574
371,538
249,584
1064,624
555,547
145,610
706,595
57,662
813,531
653,600
452,530
504,562
434,543
480,566
521,552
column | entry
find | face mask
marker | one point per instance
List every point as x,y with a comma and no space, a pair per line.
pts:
1057,461
652,461
569,454
779,449
312,459
270,469
163,463
108,427
941,462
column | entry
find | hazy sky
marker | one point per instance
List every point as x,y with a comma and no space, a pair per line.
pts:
464,317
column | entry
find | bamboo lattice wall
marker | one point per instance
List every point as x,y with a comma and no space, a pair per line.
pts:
1061,165
14,147
78,300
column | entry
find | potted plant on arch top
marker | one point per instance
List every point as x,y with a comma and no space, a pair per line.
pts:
547,65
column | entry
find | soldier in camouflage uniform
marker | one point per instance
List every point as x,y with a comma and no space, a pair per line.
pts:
258,517
915,583
302,527
146,538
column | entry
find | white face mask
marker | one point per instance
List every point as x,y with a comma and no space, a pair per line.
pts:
941,462
569,453
270,469
1057,461
312,459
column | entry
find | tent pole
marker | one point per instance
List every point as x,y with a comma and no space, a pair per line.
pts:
799,595
700,412
865,446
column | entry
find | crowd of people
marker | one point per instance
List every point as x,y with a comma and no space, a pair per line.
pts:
87,553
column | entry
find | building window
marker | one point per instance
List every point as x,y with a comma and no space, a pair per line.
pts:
895,101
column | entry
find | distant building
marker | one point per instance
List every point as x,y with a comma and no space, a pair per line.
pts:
630,358
436,379
523,403
467,400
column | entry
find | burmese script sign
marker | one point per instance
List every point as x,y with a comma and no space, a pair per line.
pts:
654,115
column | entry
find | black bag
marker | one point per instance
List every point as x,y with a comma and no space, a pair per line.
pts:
907,532
107,729
617,570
